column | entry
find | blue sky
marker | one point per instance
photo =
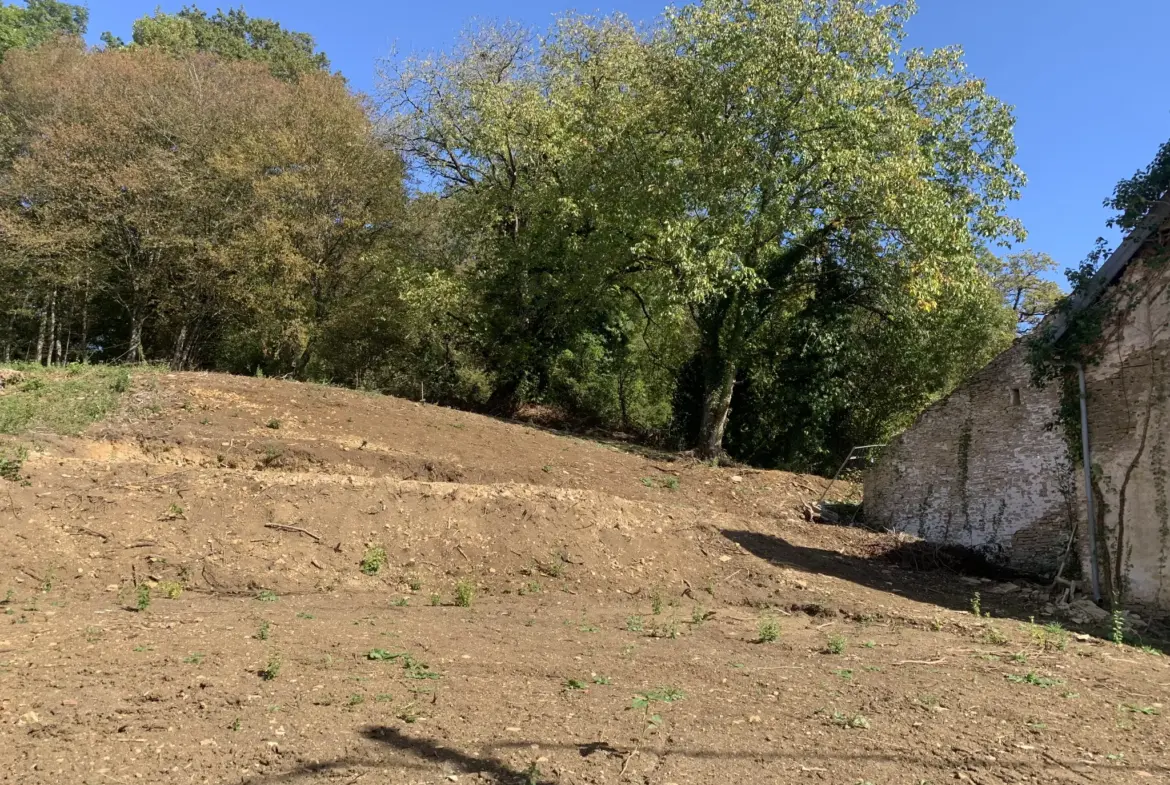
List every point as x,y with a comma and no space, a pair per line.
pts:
1092,101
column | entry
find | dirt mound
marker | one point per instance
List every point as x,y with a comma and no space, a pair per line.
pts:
245,580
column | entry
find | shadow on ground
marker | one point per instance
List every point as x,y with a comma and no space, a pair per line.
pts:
423,753
921,572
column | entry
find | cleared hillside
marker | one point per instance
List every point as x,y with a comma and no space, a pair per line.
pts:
244,580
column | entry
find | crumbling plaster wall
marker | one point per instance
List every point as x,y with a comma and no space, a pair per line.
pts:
1129,427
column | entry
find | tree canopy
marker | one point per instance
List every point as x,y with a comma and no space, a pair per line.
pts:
232,35
755,227
721,164
39,21
203,199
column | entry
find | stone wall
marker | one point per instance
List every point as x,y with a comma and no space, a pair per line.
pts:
983,468
1129,430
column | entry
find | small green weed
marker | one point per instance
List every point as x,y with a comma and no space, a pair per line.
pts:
656,602
464,593
645,702
855,721
977,605
172,590
381,655
193,658
1117,623
995,636
274,424
263,632
142,598
1033,679
574,684
267,595
272,669
436,599
768,630
416,669
401,602
603,680
373,560
356,700
304,615
836,644
235,726
1050,637
671,483
1149,711
844,673
635,623
415,584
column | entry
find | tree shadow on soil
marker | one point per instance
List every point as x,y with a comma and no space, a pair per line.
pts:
430,753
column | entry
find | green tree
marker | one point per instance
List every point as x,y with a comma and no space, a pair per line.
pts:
232,35
809,137
39,21
1133,196
533,139
846,372
1020,280
716,164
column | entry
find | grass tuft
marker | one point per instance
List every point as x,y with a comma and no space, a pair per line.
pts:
61,400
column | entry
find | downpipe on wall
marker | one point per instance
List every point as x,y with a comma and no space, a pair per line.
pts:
1090,507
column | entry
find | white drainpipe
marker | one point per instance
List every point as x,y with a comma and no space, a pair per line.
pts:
1087,459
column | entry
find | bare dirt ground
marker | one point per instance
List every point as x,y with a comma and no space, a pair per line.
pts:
187,603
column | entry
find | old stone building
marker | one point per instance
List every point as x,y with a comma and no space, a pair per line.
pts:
995,466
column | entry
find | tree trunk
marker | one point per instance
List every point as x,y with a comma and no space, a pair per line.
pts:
83,342
718,386
180,349
721,336
41,333
136,322
54,336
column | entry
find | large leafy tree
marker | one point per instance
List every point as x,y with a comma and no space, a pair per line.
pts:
39,21
202,207
809,139
719,163
533,139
